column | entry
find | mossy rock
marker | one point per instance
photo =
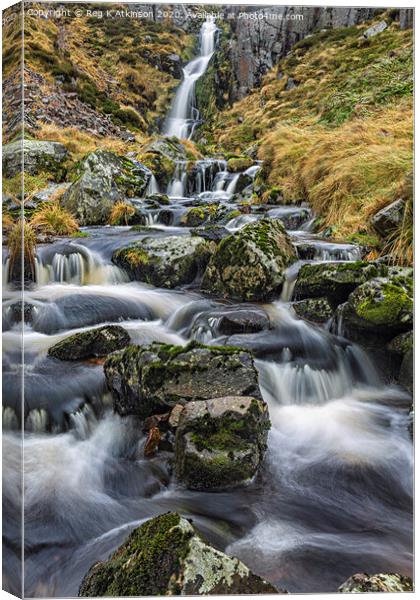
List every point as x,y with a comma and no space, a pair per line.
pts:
204,215
166,556
89,344
317,310
237,165
103,178
380,582
38,157
150,380
220,443
165,262
334,280
382,306
249,265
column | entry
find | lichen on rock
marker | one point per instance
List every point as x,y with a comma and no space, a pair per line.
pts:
167,262
166,556
220,443
152,379
380,582
249,265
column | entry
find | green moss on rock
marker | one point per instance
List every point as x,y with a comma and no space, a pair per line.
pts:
166,556
152,379
249,265
93,343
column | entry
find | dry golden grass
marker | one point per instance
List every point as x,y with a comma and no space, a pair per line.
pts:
22,238
6,221
80,143
51,219
348,173
121,213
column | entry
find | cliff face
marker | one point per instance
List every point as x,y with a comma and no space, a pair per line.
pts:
258,44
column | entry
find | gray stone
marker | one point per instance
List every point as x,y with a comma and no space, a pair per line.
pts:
380,582
317,310
389,218
250,264
90,344
38,156
220,443
375,29
104,178
153,379
165,262
166,556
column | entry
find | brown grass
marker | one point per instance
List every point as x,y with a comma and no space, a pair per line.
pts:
22,238
121,213
51,219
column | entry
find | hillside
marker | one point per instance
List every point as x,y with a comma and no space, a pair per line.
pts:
333,123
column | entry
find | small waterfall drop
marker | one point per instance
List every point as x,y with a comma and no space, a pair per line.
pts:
184,116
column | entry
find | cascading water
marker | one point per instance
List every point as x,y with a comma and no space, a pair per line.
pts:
184,116
335,494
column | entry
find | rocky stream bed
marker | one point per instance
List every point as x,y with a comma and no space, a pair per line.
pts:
215,360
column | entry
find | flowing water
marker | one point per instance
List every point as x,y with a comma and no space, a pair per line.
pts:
184,115
334,496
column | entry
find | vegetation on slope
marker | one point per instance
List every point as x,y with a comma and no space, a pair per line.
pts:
333,124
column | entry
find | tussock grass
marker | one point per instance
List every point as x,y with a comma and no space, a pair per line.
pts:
121,213
22,238
51,219
348,173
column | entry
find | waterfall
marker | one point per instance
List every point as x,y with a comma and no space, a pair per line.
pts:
81,267
184,116
152,186
176,187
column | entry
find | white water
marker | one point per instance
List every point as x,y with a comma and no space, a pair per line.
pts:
184,115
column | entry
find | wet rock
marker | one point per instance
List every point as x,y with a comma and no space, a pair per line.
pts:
317,310
220,443
402,346
211,232
205,215
103,179
159,199
89,344
161,157
149,380
165,262
38,156
383,306
381,582
334,280
389,218
166,556
250,264
375,29
239,320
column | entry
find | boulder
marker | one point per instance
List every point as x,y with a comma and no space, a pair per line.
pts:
161,157
249,265
317,310
402,346
165,262
232,320
166,556
375,29
89,344
380,582
220,443
38,156
150,380
159,199
334,280
211,232
389,218
382,306
104,178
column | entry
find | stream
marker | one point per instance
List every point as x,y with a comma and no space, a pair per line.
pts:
335,493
